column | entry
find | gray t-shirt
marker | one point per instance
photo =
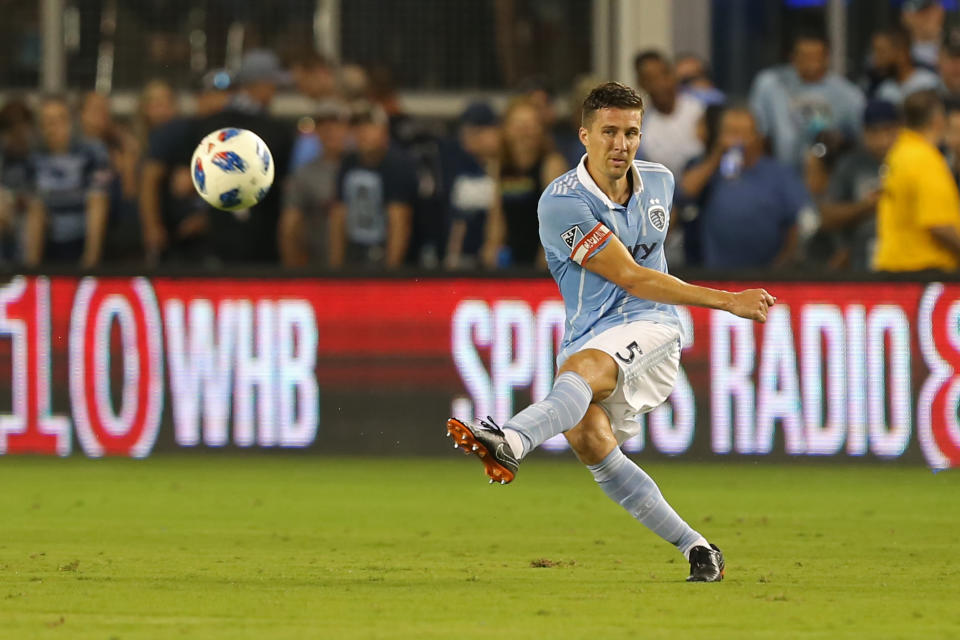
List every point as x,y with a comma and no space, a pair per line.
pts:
856,176
312,189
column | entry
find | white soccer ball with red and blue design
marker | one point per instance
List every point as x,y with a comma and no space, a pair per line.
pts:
232,169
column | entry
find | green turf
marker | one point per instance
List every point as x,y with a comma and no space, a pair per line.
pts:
297,547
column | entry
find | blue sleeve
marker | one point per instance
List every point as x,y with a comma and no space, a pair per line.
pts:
569,229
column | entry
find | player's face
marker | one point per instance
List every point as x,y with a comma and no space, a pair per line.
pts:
612,140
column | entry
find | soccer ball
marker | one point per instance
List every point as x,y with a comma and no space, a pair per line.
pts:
232,169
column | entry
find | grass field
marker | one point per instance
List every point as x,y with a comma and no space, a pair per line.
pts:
298,547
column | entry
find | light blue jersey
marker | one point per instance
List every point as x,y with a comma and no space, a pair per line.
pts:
576,220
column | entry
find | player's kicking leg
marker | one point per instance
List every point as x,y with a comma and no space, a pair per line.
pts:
628,384
586,376
629,486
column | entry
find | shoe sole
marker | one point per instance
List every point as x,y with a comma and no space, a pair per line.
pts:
723,571
464,439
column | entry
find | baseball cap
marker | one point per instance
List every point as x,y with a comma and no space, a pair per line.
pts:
261,65
478,114
880,112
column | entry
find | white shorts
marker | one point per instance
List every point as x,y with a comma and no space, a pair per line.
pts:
648,354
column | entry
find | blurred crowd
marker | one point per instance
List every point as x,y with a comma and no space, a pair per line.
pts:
811,170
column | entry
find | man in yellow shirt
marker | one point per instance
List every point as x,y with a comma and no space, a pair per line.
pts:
918,217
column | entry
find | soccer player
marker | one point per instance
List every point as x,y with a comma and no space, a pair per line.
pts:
602,226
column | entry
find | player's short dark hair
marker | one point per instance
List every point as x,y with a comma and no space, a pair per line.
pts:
610,95
646,56
920,107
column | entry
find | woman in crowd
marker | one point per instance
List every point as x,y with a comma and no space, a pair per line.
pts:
527,164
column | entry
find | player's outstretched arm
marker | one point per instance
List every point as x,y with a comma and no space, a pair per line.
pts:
615,263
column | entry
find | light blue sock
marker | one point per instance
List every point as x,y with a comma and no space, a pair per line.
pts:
627,485
562,409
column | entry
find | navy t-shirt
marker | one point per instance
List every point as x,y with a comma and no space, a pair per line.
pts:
470,195
366,190
63,181
745,220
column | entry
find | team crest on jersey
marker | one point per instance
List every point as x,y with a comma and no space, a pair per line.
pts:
571,236
658,217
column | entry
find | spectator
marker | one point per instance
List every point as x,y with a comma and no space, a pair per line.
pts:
314,78
693,74
820,246
688,208
304,228
670,117
848,212
371,220
567,135
918,217
122,240
527,163
250,235
157,106
751,203
69,177
891,56
951,138
923,20
950,67
471,189
173,219
216,90
537,90
96,120
16,144
795,102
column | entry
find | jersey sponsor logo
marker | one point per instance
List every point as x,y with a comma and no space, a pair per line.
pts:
657,215
589,243
643,251
571,237
229,161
